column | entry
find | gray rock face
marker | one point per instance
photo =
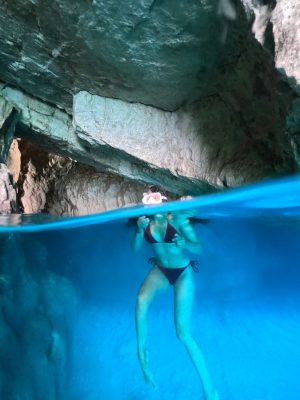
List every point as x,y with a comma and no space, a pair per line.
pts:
175,141
152,52
54,130
229,139
278,23
165,144
6,109
7,192
286,27
60,186
283,17
85,191
8,120
261,22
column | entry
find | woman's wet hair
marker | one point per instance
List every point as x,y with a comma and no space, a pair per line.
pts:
156,188
196,220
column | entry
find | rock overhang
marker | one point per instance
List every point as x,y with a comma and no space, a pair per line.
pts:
163,54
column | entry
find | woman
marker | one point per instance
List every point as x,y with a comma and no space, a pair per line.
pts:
169,237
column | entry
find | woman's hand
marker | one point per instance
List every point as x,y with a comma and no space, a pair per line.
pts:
142,223
179,241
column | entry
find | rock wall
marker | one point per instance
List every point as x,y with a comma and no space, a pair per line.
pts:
286,28
60,186
231,138
83,190
276,26
7,192
9,116
8,119
37,312
226,140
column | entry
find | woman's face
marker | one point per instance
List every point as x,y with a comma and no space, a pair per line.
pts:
153,198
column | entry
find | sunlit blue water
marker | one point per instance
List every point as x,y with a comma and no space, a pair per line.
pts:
68,290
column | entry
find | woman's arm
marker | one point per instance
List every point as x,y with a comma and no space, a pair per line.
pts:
187,237
138,236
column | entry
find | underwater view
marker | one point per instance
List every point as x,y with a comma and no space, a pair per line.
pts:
69,288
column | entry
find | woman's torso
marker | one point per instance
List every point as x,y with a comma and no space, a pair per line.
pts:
167,253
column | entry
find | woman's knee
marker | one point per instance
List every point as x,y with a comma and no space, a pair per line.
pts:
142,302
183,335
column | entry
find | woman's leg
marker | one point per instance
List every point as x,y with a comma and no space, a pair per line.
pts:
183,304
154,283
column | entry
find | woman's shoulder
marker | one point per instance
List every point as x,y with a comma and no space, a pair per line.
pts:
178,220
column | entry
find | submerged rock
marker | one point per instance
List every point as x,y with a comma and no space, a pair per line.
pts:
38,309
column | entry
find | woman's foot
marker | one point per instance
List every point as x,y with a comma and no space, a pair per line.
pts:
149,378
143,358
213,395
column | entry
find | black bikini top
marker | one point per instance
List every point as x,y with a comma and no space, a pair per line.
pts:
169,236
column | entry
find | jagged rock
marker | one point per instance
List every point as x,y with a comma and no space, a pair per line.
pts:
293,129
276,25
38,170
148,143
85,191
5,110
227,140
284,18
54,130
7,192
9,116
259,13
152,52
286,28
14,161
49,183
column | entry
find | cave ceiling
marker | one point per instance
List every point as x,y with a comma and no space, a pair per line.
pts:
155,52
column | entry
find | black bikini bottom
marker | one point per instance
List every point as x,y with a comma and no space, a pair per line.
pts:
172,274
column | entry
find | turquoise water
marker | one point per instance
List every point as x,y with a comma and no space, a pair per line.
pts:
68,288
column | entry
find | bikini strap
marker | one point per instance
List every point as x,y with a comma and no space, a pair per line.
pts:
152,261
195,266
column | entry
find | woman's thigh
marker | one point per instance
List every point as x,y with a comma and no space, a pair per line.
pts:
183,299
154,283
